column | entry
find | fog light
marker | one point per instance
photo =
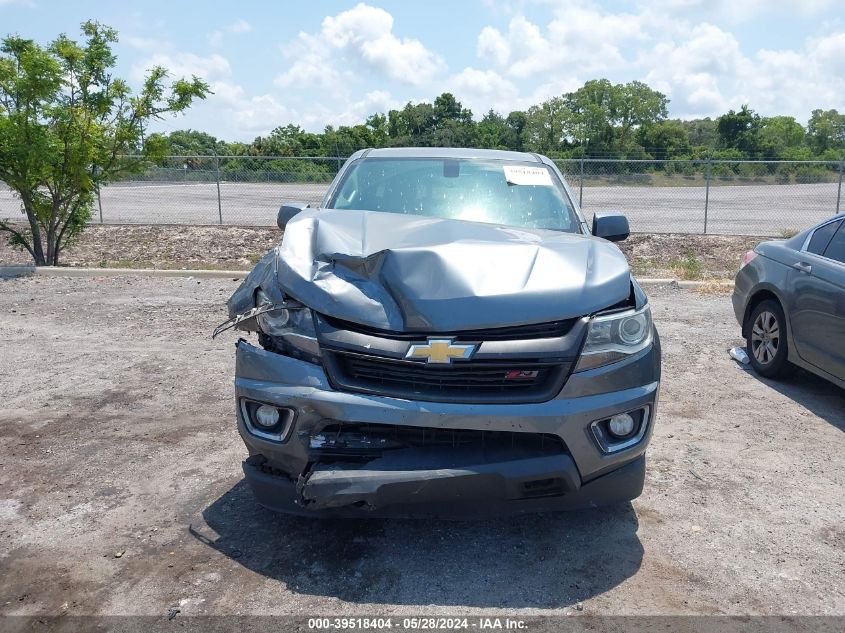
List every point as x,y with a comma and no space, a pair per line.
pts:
620,425
266,416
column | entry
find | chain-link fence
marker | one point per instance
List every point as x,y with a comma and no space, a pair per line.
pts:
709,196
668,196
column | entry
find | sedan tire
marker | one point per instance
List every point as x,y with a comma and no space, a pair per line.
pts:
767,345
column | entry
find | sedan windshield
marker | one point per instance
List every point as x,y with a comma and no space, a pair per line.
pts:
495,191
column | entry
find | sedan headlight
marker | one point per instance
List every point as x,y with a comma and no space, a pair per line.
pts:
290,328
613,337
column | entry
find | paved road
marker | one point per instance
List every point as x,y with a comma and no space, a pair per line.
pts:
746,209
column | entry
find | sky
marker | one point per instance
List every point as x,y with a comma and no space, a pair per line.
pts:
331,62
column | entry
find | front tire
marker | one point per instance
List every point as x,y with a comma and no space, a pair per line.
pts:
767,345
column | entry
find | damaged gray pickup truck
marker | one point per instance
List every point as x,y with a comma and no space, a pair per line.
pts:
444,336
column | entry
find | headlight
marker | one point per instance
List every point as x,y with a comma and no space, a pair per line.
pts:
612,337
291,329
294,318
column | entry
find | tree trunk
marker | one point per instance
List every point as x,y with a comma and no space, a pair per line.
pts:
37,247
52,245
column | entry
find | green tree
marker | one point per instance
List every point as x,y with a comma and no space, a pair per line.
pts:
604,116
591,111
702,134
546,125
412,125
447,108
493,132
288,140
664,139
779,134
66,125
377,124
516,122
193,143
445,123
636,105
740,130
345,140
826,131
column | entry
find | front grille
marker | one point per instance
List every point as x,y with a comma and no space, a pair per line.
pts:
509,381
336,440
551,329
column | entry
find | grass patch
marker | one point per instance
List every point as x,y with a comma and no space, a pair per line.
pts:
689,268
787,233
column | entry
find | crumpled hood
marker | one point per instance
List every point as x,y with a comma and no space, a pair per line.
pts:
405,272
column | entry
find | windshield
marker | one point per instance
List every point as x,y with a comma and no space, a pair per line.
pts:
523,194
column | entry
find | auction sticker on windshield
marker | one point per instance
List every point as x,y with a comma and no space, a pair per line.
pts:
521,175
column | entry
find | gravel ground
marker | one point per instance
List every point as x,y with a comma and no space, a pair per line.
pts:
121,492
238,248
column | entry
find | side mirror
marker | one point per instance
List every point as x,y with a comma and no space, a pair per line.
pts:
611,226
287,211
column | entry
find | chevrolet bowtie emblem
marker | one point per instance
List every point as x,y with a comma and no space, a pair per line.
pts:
440,350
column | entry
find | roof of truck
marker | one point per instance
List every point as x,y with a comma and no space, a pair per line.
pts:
448,152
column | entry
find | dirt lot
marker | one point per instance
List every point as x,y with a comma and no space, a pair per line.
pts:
121,492
238,248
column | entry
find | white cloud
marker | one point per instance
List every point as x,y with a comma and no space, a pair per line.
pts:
215,38
481,90
796,81
181,64
705,73
493,46
145,43
240,26
358,111
829,54
354,62
245,116
363,37
579,37
734,12
688,72
311,66
700,65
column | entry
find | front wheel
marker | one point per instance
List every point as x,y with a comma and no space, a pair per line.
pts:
766,345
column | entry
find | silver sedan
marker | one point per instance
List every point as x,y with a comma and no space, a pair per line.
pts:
789,298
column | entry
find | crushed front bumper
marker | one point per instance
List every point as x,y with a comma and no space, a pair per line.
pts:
471,482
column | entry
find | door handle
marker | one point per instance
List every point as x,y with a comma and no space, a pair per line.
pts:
804,267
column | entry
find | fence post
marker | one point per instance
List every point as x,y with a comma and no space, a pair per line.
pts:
839,189
219,203
581,183
707,174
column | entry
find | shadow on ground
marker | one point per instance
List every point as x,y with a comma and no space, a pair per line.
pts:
815,394
541,561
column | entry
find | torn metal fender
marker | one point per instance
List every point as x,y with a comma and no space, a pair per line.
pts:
264,277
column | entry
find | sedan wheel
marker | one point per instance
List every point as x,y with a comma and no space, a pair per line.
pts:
765,337
767,343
